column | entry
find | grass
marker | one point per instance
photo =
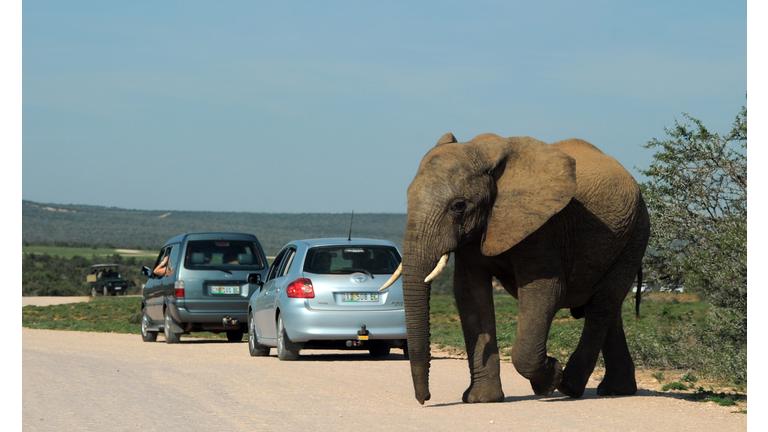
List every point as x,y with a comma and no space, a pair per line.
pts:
69,252
674,386
100,314
722,399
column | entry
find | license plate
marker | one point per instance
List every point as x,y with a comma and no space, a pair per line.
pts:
360,297
225,290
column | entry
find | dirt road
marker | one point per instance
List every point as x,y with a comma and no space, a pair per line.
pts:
103,381
48,301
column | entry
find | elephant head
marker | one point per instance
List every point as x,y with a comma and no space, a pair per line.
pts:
492,190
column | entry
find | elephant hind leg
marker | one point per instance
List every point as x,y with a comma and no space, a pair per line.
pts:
583,360
603,331
619,368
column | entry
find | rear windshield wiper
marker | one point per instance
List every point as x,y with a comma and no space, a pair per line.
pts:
208,266
360,270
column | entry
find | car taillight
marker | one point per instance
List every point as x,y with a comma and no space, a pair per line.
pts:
178,288
301,288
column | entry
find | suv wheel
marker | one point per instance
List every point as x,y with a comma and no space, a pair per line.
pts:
286,350
256,349
146,335
170,337
235,335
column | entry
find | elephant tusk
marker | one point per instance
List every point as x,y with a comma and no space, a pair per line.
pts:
438,268
395,276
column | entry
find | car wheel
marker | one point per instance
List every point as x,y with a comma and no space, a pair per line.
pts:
106,292
170,337
256,349
235,335
379,350
93,291
286,350
146,335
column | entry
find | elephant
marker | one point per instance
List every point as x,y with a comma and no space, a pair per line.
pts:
559,225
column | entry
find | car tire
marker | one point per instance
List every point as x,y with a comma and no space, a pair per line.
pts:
379,350
286,350
170,337
93,291
235,335
254,347
146,335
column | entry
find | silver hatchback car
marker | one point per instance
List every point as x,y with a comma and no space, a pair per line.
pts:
324,294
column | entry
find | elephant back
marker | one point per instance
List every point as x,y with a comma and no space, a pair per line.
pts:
603,186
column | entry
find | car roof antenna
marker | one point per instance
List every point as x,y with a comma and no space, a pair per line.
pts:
350,226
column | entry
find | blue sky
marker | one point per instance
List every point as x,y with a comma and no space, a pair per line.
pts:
306,107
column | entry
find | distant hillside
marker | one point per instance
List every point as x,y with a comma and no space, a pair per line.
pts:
81,225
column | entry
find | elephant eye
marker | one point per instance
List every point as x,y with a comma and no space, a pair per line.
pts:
459,206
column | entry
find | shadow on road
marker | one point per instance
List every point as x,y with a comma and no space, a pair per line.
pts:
589,393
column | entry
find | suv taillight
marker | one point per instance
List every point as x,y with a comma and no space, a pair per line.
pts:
301,288
178,288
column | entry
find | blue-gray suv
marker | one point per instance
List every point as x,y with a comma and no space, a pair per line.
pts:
202,282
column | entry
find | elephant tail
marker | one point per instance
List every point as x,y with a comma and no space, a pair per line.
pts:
638,292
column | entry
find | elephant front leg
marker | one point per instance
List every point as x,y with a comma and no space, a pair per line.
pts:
538,303
474,300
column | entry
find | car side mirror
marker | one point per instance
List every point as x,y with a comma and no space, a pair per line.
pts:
255,279
146,271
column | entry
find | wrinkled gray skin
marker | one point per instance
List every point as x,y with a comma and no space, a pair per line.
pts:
560,226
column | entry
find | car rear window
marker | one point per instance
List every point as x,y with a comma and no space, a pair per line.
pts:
223,254
351,259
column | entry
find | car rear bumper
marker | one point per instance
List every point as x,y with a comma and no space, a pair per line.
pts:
182,315
304,324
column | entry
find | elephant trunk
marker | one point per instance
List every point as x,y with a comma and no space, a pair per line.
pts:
417,264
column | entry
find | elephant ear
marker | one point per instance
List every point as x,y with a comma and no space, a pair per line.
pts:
446,139
533,182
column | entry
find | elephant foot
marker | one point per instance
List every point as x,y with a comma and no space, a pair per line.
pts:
483,394
545,387
573,382
570,390
617,387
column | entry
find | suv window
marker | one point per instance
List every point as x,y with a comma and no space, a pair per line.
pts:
350,259
223,254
